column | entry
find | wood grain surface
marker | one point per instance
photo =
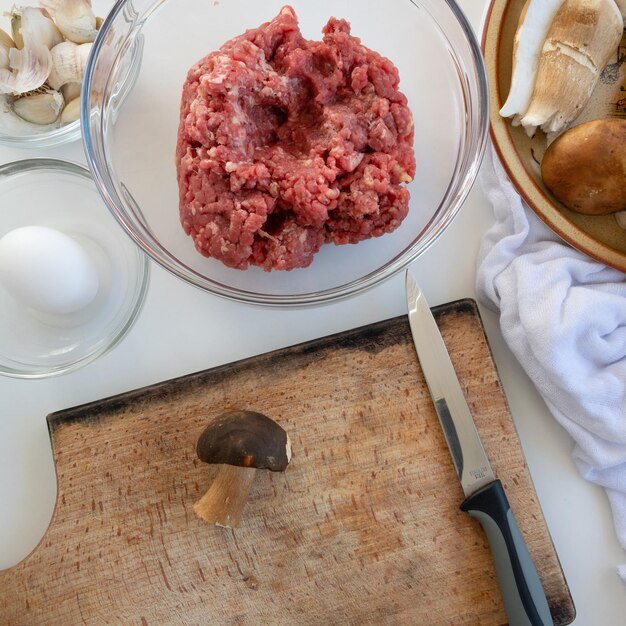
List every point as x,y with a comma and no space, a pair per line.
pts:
364,526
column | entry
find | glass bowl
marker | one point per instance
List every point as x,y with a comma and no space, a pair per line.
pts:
61,195
130,121
21,134
18,133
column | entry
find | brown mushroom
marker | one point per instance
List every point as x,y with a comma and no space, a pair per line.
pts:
240,442
585,168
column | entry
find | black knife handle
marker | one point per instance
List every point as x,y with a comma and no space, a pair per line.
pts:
524,598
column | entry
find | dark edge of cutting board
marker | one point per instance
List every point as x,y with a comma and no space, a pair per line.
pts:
368,337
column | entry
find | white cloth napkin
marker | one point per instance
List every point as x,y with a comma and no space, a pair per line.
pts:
563,315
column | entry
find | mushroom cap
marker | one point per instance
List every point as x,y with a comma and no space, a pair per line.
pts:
245,439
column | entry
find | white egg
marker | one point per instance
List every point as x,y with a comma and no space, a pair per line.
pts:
47,270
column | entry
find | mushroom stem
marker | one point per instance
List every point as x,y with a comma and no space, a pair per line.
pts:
226,498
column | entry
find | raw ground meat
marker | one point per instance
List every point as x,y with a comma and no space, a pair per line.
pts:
286,144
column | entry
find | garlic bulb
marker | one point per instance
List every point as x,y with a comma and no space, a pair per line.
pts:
39,108
31,26
68,63
75,19
6,43
42,63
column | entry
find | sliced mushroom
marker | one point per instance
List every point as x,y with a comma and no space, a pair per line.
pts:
582,37
240,442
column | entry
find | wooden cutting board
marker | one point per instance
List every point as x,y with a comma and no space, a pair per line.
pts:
364,527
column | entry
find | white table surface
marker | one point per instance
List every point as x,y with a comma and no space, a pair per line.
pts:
213,331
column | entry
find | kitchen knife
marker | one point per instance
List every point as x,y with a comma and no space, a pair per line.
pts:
524,598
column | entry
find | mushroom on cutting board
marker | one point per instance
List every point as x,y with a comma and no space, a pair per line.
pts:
240,442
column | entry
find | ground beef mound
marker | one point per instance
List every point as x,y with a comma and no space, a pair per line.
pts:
286,144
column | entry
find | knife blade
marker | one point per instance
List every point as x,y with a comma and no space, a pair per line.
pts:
524,598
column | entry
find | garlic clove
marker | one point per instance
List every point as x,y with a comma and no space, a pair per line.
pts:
39,108
75,19
28,69
71,91
68,63
6,43
31,25
71,112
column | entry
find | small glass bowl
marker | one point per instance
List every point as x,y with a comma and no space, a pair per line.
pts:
28,135
61,195
18,133
134,79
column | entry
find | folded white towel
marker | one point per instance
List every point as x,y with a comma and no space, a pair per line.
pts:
563,315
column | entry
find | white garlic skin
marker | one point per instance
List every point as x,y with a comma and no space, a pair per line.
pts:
29,62
31,26
75,19
47,270
29,68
